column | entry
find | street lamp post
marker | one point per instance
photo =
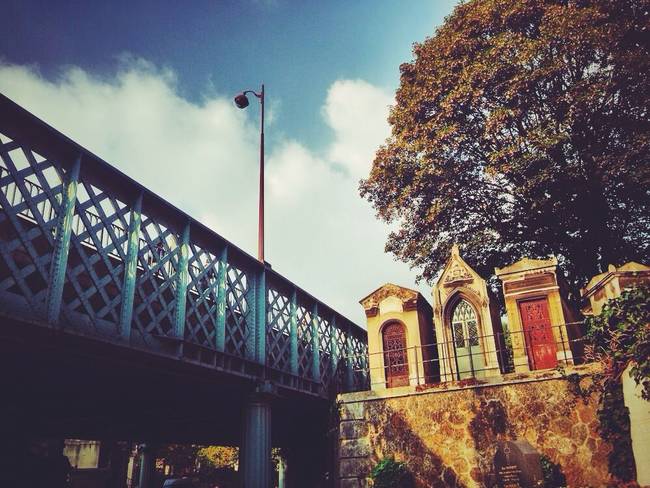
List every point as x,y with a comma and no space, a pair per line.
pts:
242,102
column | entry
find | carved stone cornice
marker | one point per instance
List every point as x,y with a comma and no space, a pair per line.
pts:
410,304
372,312
388,290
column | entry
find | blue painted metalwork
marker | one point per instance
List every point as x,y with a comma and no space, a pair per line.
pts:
255,454
304,342
246,308
128,275
324,331
315,349
181,283
131,267
349,367
278,330
293,337
220,335
334,348
202,297
260,317
62,245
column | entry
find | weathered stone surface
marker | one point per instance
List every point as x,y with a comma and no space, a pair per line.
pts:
354,467
354,448
352,411
353,429
449,438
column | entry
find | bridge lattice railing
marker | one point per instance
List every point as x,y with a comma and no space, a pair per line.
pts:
85,248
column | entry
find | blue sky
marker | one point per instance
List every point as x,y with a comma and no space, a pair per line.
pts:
298,48
330,67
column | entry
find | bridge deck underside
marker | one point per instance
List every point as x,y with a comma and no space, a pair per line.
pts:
58,385
122,317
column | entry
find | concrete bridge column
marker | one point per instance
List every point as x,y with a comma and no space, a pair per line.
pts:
255,460
147,466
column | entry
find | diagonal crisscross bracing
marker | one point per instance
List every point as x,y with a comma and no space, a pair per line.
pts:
154,292
305,355
324,344
202,291
30,199
237,311
95,271
88,254
278,330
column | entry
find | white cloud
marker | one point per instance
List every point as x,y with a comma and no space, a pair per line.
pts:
357,112
203,158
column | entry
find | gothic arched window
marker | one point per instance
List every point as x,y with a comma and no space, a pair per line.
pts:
467,346
464,325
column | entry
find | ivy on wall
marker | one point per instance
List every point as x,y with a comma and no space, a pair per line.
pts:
620,335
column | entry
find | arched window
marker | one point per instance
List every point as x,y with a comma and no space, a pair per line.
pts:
463,321
465,339
395,356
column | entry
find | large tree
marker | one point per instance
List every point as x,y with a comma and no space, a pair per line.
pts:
522,128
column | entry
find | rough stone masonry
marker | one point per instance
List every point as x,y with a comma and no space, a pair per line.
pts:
448,436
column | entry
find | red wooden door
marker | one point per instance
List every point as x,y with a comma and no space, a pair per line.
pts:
540,342
395,357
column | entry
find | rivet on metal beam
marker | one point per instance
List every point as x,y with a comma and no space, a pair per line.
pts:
181,283
315,369
130,270
222,291
62,244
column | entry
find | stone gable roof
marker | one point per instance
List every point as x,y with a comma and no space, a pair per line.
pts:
456,271
631,268
526,264
387,290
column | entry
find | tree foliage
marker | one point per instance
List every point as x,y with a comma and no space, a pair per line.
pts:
219,456
521,128
181,457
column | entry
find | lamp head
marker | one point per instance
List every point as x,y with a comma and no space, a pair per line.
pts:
241,101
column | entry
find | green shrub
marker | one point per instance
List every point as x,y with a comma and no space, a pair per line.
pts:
389,473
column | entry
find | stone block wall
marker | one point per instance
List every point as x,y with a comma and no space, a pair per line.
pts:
447,436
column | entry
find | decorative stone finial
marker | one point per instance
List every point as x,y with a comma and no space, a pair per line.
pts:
611,268
454,250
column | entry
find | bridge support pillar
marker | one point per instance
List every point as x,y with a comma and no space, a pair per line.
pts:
147,466
282,472
255,452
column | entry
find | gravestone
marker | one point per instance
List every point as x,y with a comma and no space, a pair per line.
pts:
517,465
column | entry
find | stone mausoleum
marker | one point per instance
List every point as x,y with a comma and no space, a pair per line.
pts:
467,323
399,330
463,401
461,336
537,313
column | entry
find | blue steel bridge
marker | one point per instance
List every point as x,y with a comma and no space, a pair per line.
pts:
123,318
